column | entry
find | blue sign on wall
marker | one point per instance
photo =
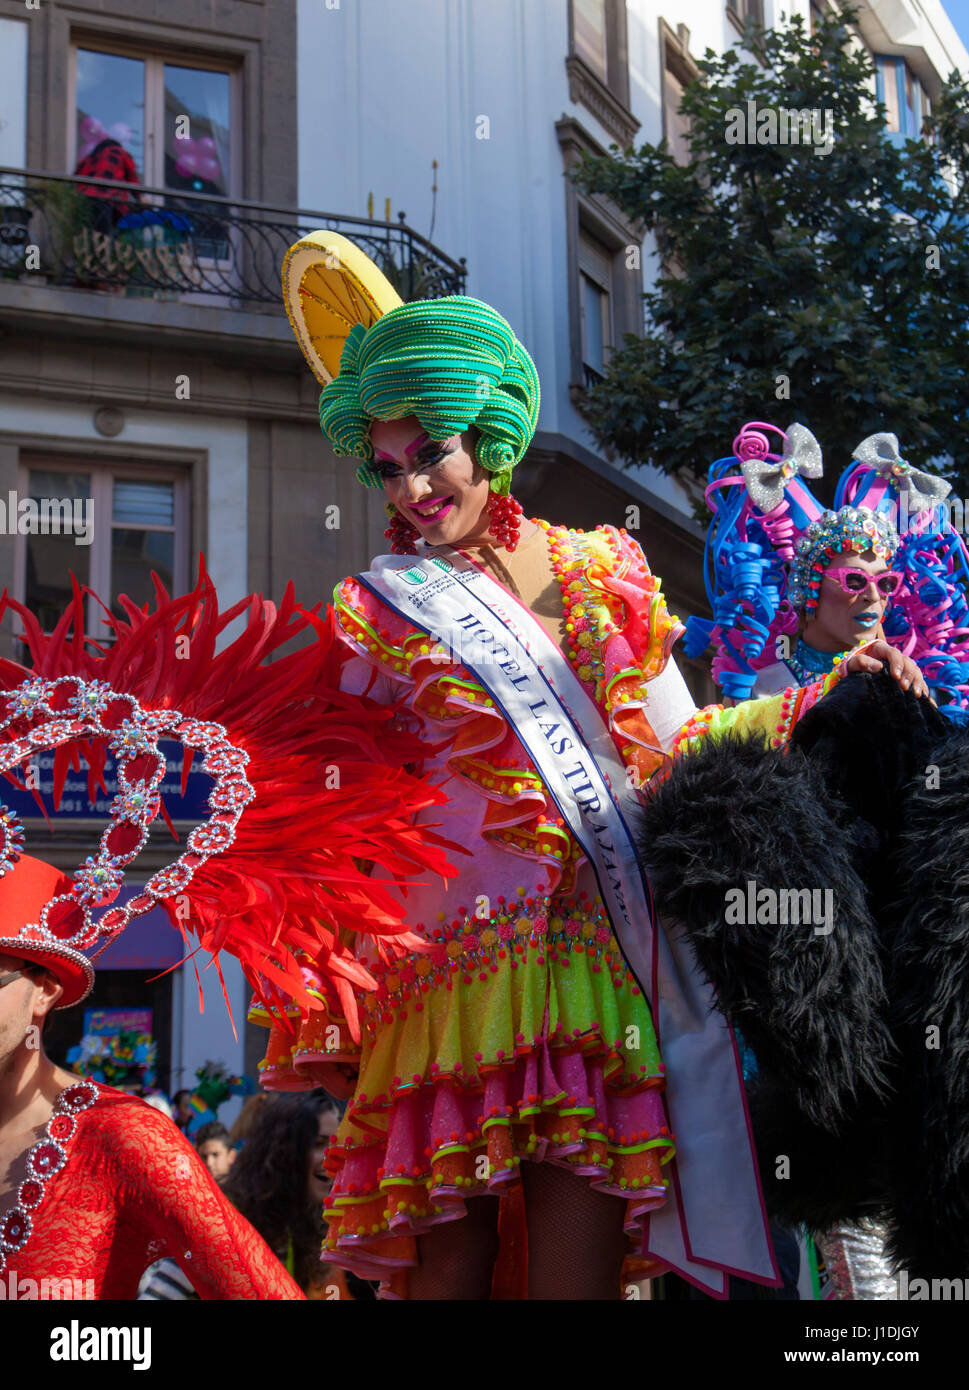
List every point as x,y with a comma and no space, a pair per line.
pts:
74,802
148,943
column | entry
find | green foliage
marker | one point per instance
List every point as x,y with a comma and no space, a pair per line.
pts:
781,261
419,277
66,212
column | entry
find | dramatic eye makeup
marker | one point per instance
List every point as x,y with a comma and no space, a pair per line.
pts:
429,454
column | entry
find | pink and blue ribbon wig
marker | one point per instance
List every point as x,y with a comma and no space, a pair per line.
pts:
928,618
746,558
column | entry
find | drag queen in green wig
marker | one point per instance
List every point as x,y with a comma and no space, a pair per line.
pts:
505,1086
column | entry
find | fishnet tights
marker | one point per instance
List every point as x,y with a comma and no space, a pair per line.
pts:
576,1244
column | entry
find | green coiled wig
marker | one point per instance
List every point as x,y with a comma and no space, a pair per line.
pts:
451,362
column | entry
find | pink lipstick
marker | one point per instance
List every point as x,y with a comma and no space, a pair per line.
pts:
436,509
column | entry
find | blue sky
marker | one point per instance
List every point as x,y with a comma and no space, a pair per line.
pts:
958,12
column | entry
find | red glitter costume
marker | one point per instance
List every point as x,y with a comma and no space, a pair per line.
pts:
113,1186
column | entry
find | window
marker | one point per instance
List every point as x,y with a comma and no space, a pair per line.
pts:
108,526
605,283
816,16
906,105
595,305
598,66
679,70
676,124
742,11
589,35
175,120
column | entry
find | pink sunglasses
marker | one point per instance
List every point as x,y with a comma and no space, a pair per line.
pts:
855,581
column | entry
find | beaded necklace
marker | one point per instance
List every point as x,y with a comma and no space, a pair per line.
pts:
809,665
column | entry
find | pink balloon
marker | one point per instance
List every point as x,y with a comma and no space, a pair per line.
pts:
91,129
210,170
207,146
186,165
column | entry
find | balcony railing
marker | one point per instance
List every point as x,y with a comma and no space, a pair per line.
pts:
96,234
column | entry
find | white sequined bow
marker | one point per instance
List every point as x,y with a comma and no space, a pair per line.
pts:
766,480
880,451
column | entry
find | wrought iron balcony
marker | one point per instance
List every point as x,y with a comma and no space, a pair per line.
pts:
100,235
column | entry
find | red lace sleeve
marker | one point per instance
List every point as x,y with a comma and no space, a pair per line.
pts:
187,1217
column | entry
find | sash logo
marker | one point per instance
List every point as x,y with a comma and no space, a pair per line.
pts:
442,564
412,576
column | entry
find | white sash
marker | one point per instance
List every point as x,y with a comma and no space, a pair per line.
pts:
713,1215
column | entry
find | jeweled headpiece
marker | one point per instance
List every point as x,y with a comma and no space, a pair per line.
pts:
856,529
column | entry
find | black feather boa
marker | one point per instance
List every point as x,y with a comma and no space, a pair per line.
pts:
812,1007
870,1116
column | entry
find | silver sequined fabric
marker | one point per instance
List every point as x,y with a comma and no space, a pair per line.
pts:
856,1262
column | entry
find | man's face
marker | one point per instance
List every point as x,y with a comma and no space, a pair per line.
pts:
841,620
18,1004
436,485
217,1157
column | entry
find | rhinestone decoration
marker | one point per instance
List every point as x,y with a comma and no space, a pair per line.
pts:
211,838
56,731
226,759
79,1097
169,880
131,740
89,699
25,699
136,803
61,1127
232,796
30,1194
47,1157
159,722
14,1229
12,833
196,733
97,881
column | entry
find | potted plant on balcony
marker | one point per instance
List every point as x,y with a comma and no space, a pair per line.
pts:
420,277
65,213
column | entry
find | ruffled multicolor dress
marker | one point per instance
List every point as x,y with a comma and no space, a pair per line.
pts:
518,1034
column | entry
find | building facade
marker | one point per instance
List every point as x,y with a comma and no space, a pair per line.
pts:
148,375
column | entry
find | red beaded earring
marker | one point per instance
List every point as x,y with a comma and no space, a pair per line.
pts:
504,520
401,533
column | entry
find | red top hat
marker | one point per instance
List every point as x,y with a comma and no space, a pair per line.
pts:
25,890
